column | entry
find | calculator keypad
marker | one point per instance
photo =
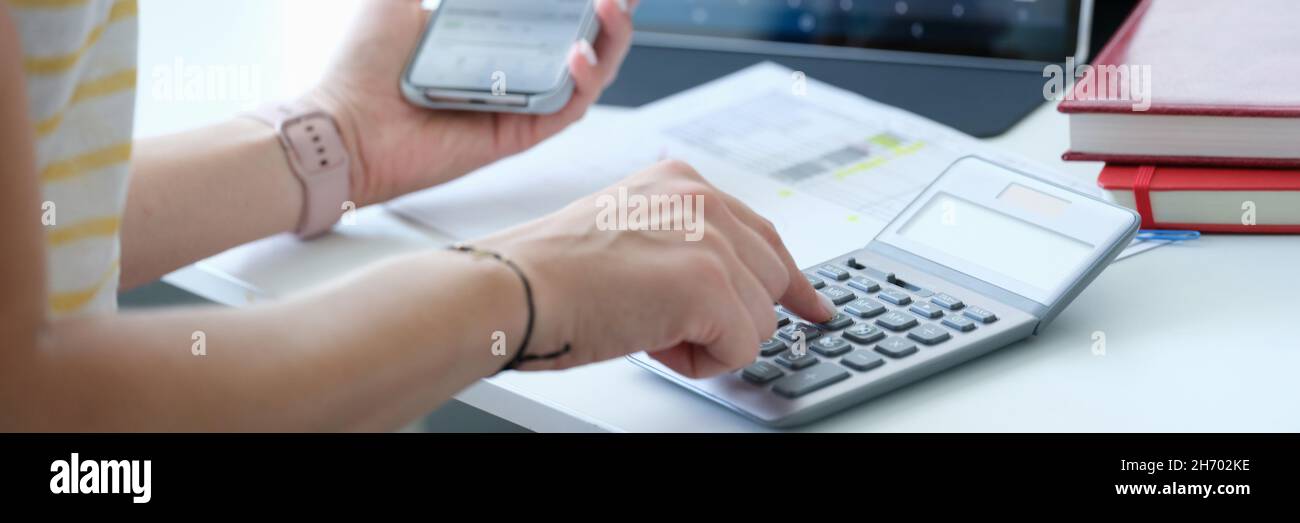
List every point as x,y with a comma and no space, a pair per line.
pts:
879,323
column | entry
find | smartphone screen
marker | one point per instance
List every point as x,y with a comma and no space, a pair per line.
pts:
519,46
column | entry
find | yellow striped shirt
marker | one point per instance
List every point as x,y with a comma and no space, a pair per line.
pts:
79,57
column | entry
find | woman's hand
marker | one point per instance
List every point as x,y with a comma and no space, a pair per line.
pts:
696,294
398,147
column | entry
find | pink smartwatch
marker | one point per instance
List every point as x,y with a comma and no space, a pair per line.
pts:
317,156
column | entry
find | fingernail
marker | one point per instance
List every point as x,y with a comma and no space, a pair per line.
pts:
827,304
622,4
588,52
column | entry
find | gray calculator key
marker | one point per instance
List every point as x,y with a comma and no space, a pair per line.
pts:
960,323
896,321
782,319
895,297
796,362
864,333
927,310
761,372
838,295
816,282
865,308
837,322
833,272
929,334
810,332
947,302
864,284
980,315
830,346
862,360
771,347
801,383
896,347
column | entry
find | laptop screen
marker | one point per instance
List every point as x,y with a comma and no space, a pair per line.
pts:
1034,30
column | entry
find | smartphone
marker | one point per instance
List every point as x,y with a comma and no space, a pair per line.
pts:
498,55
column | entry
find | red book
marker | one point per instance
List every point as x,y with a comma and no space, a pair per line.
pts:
1221,77
1208,199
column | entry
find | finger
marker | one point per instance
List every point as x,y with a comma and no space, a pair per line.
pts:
615,39
753,252
799,296
586,89
726,339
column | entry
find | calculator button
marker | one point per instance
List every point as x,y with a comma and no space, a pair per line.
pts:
929,334
896,347
816,282
801,383
761,372
980,315
838,295
927,310
830,346
864,333
833,272
865,308
960,323
947,302
782,319
862,360
895,297
896,321
796,362
771,347
837,322
810,332
864,284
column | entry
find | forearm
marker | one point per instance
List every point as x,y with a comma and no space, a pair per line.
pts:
197,193
369,354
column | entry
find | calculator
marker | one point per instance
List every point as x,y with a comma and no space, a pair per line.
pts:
985,256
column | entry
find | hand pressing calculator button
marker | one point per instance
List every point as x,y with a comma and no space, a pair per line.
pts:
1023,246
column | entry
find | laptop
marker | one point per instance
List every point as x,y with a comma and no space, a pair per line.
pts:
974,65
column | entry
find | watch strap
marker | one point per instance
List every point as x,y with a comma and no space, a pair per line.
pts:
317,156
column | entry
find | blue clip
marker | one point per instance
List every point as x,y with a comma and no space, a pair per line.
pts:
1167,235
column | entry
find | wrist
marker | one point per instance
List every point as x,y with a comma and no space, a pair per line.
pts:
346,120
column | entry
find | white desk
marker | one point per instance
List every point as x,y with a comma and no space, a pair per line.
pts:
1198,336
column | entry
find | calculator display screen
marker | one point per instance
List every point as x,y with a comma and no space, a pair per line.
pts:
990,240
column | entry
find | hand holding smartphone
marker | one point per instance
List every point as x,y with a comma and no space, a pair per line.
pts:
498,55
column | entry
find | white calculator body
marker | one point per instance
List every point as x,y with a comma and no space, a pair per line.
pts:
985,256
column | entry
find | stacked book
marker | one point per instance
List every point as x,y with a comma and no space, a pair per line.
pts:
1195,108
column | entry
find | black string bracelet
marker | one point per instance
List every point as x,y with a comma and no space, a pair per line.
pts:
522,355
